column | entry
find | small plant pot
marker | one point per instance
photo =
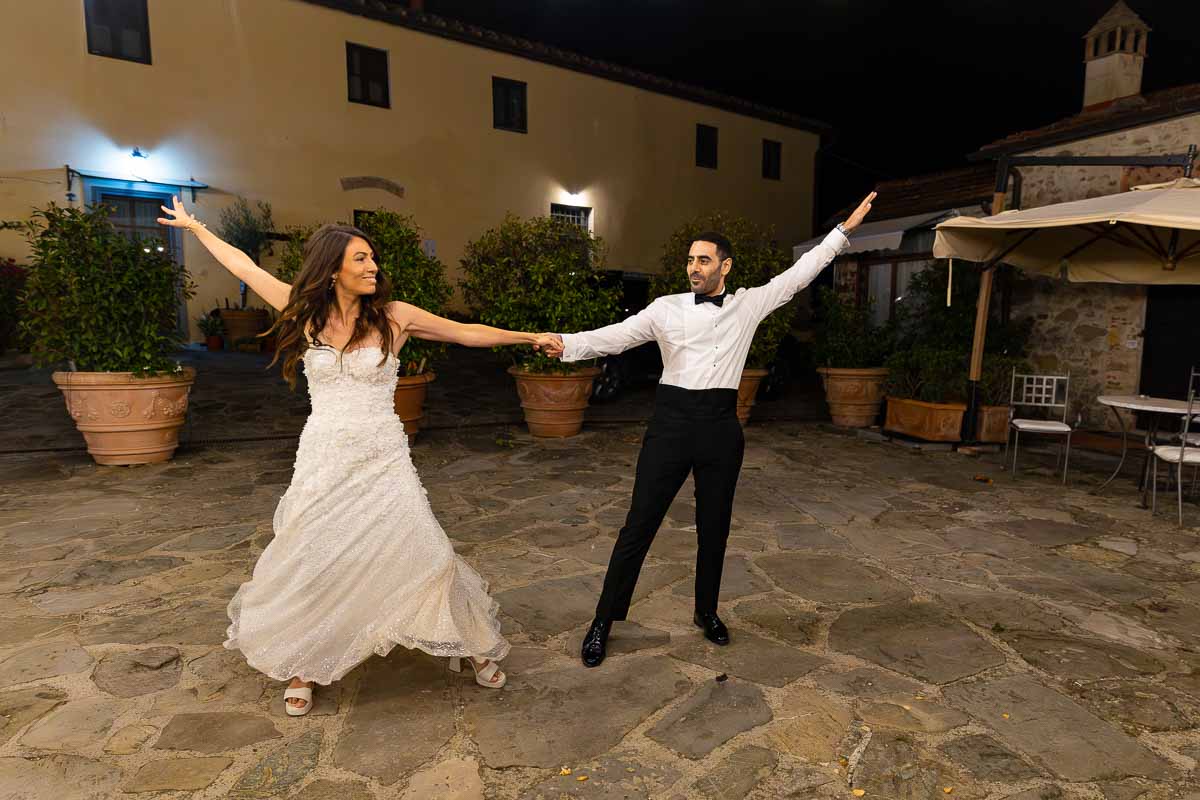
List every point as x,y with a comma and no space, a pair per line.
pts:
409,400
930,422
214,343
126,419
748,391
853,395
554,404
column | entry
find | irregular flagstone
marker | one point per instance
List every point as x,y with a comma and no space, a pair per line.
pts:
43,661
783,617
1119,544
140,672
224,675
1046,533
888,542
831,578
736,581
917,639
325,789
452,779
1139,707
809,537
811,726
61,777
1001,611
19,630
1108,584
195,622
613,700
867,683
737,775
625,637
982,540
401,716
129,739
217,538
750,657
109,573
74,726
1082,659
176,774
281,770
1059,734
73,601
910,714
715,713
20,707
1178,620
215,732
987,760
892,766
617,776
1114,627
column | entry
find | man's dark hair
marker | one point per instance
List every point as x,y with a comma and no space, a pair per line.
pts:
724,248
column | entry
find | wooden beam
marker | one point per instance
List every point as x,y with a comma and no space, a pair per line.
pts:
982,305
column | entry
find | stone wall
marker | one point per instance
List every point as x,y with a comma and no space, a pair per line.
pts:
1093,330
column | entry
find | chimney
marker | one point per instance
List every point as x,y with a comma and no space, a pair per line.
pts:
1114,52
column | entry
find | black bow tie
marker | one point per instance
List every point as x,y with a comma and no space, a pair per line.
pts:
717,301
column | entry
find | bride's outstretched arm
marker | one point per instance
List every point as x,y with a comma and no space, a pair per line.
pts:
420,323
267,286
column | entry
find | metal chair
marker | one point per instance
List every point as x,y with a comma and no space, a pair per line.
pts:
1185,453
1048,394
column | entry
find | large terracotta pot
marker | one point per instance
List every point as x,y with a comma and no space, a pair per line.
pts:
410,400
853,395
243,323
747,391
126,419
993,424
554,404
932,422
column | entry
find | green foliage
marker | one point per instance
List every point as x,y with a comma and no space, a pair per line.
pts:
245,228
995,384
847,337
931,374
210,325
96,299
292,257
12,286
416,278
757,258
537,275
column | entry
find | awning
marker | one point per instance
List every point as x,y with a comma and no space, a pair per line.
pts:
134,180
883,235
1150,235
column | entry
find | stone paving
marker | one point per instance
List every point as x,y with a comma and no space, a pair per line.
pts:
900,630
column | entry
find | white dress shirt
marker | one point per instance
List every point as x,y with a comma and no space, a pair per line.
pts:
704,346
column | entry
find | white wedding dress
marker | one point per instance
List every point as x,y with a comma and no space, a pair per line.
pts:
358,564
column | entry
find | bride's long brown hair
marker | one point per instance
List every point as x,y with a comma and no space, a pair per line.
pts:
312,300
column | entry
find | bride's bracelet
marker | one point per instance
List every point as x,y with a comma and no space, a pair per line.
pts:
194,225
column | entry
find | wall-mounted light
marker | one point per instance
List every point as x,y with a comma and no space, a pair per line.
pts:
137,153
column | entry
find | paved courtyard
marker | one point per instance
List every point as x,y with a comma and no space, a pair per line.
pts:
902,628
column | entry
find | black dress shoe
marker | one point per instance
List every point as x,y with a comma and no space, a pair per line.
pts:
595,642
714,630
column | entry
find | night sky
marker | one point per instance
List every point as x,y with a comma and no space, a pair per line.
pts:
909,86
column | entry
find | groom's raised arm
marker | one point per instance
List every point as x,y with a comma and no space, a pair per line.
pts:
642,327
784,286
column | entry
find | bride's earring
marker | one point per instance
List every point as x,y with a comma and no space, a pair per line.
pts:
332,281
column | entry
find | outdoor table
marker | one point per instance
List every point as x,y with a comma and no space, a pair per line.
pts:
1157,407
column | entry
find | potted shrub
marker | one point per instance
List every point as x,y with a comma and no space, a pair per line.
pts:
995,390
12,287
539,275
926,393
211,327
105,307
850,350
249,230
757,258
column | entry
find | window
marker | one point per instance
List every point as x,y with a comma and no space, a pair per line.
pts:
576,215
772,160
706,146
137,218
509,111
118,29
367,75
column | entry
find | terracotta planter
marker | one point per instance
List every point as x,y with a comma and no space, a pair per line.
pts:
993,424
932,422
554,404
853,395
126,419
747,391
243,323
410,400
214,343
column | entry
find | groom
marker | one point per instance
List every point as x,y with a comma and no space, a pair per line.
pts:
704,337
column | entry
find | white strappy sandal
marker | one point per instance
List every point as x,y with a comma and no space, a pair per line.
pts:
300,693
488,676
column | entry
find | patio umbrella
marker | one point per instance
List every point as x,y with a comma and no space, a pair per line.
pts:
1150,235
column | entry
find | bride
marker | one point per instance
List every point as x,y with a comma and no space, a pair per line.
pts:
358,563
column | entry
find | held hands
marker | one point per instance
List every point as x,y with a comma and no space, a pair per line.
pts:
856,218
549,343
179,217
